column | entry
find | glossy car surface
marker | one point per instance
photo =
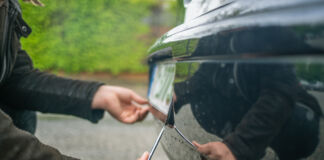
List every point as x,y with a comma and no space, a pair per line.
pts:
214,69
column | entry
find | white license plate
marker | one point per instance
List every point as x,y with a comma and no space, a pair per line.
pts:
161,87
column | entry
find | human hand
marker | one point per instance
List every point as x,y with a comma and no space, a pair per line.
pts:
145,156
121,103
215,151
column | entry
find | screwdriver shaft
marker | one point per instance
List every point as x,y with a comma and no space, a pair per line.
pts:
156,143
185,138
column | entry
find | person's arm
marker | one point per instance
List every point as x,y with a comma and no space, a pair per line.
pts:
260,125
31,89
28,88
18,144
278,88
256,130
266,117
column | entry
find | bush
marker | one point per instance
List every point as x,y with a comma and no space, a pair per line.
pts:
89,35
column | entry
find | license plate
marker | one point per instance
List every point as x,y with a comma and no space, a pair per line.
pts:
161,87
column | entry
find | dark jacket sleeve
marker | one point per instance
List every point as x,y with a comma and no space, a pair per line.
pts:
268,114
259,126
18,144
28,88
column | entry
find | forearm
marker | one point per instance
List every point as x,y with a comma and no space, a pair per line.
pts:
18,144
34,90
260,125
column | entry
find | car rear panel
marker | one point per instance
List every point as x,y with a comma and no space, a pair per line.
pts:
223,61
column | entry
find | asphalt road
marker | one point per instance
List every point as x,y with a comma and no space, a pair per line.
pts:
108,140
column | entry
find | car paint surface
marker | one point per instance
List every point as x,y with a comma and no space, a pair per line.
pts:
224,54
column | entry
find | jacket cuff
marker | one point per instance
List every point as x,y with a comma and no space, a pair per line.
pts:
94,115
239,149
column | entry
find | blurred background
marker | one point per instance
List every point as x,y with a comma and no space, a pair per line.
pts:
86,36
102,40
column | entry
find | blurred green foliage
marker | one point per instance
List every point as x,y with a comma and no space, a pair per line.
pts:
178,10
310,72
89,35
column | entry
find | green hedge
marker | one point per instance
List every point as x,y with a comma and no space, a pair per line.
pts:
89,35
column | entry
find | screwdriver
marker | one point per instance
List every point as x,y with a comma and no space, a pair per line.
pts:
170,123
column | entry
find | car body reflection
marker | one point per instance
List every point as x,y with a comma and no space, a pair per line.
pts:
264,104
245,79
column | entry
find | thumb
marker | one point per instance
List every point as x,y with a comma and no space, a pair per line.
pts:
145,156
202,148
196,144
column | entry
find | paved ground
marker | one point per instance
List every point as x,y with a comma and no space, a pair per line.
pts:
107,140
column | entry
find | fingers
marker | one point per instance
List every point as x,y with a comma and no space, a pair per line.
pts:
145,156
140,114
137,115
132,117
202,148
143,113
196,144
138,99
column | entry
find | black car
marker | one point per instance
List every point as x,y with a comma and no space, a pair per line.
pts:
238,72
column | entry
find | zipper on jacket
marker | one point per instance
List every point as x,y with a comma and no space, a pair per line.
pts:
3,47
7,38
12,18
